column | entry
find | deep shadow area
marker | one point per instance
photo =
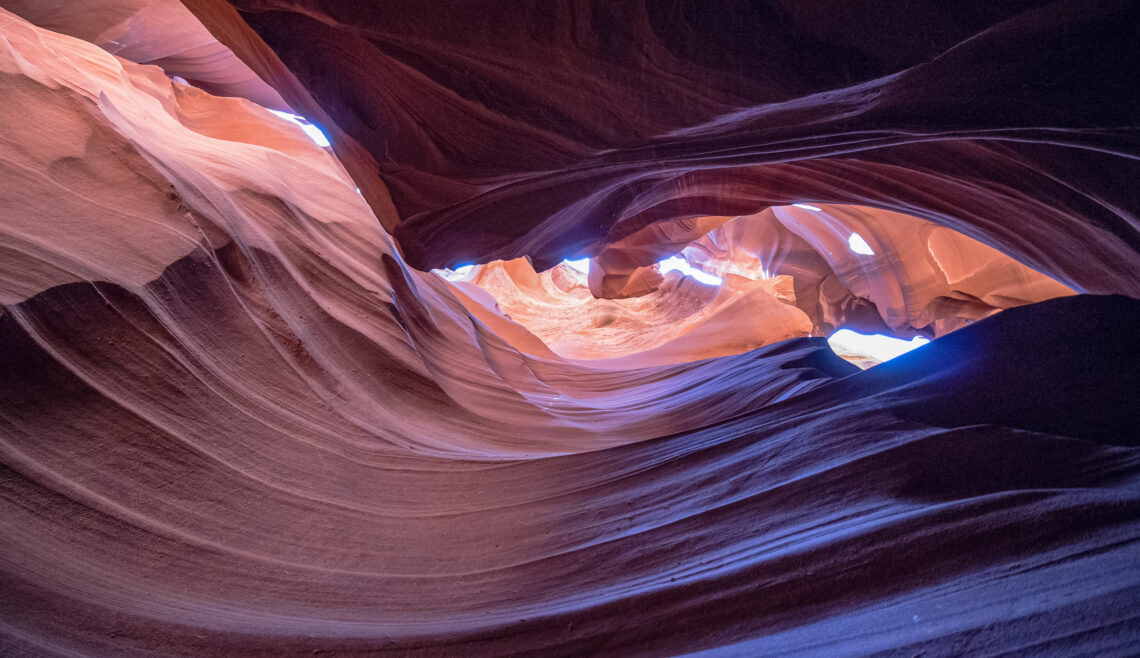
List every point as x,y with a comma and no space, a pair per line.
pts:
1068,366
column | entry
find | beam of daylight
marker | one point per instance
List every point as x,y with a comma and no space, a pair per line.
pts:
460,273
680,264
580,264
883,348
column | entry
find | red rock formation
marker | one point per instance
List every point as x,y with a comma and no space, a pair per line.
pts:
159,32
624,269
919,277
788,272
543,130
234,421
680,321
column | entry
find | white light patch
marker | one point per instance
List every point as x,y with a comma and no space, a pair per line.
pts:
312,131
859,245
882,348
807,206
681,265
458,274
580,264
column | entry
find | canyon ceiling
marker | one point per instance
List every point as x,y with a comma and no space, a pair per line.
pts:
262,397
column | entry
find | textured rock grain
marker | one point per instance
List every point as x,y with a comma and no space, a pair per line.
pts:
234,421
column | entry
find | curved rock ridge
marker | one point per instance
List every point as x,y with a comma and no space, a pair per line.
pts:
159,32
874,270
787,272
680,321
287,241
542,129
235,422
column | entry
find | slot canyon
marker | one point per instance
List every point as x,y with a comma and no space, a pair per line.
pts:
545,327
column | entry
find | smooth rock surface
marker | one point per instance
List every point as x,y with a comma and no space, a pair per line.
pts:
547,129
234,421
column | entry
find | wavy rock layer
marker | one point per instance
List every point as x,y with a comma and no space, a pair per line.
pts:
787,272
680,321
234,422
159,32
912,277
547,129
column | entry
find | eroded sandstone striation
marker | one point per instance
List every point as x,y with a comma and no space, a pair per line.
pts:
902,276
503,130
159,32
236,420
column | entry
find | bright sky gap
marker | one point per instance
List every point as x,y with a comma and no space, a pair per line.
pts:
679,264
311,130
580,264
883,348
859,245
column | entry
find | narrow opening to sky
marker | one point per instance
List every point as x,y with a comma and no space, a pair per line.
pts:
859,245
459,273
883,348
678,263
580,264
310,129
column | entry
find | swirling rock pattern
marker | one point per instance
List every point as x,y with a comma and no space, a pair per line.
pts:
159,32
914,276
541,129
234,421
681,321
